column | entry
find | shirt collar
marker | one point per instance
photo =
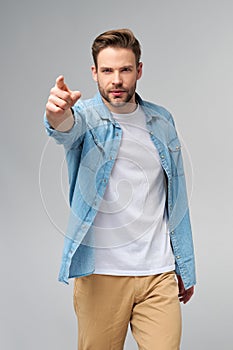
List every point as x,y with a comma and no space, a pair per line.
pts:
106,114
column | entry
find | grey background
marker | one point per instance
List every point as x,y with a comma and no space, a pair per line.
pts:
187,55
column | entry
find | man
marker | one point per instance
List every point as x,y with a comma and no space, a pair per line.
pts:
128,243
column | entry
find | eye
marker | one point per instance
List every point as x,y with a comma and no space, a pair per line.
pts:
106,70
126,69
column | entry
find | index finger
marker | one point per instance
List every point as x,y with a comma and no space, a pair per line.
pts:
60,83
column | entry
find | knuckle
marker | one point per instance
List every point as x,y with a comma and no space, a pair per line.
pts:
52,91
63,104
48,106
67,97
50,99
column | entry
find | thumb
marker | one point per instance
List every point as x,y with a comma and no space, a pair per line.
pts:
75,96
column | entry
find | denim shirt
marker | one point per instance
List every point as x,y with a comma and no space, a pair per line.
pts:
91,148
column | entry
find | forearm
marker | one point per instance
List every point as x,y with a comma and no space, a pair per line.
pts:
62,123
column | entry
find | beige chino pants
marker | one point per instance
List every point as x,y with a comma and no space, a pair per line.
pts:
105,305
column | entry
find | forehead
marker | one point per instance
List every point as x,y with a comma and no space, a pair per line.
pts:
116,57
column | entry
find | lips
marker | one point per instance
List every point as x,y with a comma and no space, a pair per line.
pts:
117,93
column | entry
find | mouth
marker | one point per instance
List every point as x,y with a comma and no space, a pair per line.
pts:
117,93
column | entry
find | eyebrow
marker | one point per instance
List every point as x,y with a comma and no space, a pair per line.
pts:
126,66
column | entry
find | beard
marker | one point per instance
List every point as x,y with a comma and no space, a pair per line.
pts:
117,101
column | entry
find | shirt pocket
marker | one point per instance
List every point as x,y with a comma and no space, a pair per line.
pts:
175,153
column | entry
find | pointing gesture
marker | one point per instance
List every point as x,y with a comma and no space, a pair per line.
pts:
60,100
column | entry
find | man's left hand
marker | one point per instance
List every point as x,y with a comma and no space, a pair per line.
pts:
184,294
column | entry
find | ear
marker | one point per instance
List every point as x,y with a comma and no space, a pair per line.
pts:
94,73
139,70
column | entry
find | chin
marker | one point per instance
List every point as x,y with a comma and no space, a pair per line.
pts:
118,104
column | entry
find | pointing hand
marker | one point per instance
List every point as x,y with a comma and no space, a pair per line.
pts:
60,100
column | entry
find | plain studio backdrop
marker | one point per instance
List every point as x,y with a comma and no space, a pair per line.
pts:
188,68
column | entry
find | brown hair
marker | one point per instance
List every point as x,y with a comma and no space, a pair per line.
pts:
122,38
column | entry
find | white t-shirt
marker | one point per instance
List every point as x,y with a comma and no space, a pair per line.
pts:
130,228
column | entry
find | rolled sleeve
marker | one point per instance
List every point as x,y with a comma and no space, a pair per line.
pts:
67,138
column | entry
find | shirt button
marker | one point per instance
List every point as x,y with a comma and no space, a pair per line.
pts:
178,257
162,155
117,134
104,180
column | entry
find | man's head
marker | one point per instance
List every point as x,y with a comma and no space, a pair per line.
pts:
120,38
117,68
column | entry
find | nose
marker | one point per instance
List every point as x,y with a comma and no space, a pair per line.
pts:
117,80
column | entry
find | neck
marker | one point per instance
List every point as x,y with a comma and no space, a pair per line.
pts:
121,108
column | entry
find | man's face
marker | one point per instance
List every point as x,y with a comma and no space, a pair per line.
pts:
117,76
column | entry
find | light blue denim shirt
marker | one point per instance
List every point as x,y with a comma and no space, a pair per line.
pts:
91,148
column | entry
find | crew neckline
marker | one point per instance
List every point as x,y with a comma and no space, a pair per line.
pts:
126,115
